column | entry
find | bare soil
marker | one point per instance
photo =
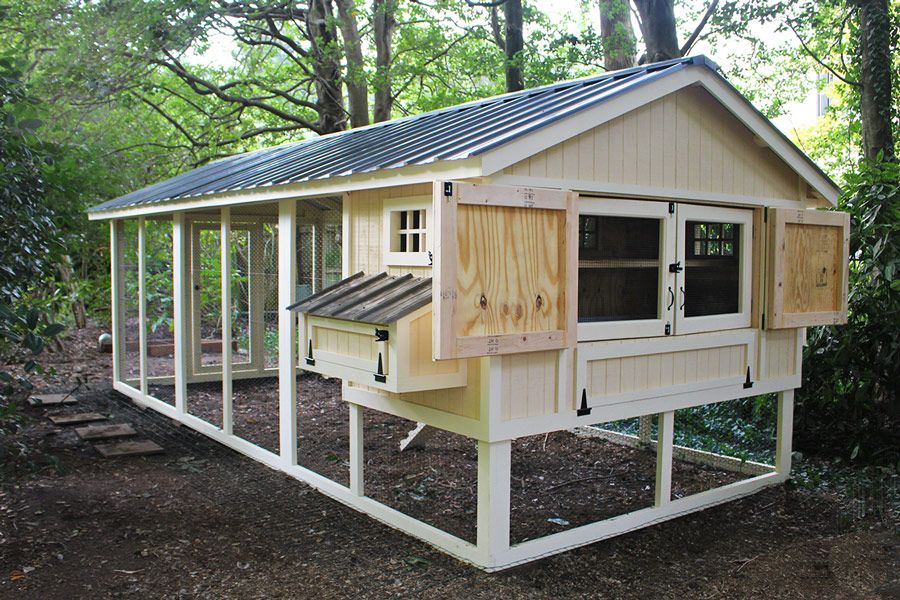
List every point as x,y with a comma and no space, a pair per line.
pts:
203,521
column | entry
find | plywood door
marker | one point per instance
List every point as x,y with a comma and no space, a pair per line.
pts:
808,262
505,269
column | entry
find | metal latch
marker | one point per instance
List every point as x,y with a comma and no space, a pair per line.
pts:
380,377
748,383
668,329
448,188
676,267
381,335
309,356
583,409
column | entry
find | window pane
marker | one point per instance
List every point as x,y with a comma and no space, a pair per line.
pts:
415,219
618,276
712,278
403,220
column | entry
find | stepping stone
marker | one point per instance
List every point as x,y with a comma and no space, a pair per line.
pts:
52,399
128,448
77,419
103,432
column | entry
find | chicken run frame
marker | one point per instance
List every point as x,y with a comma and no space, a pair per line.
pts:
619,246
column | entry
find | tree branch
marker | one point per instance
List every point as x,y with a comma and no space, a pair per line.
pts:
819,60
693,37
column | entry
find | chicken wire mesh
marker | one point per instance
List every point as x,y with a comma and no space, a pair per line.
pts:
159,323
129,304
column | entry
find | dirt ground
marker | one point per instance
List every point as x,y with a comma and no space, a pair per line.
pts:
203,521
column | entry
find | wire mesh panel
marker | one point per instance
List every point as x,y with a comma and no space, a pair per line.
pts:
158,287
241,249
130,305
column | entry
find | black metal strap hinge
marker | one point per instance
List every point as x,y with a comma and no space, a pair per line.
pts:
748,384
309,357
380,377
583,409
381,335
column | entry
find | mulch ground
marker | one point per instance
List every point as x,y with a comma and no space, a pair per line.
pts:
203,521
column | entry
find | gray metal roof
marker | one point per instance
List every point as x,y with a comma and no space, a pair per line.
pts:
380,298
452,133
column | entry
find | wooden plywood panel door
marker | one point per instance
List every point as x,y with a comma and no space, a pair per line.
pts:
808,267
505,266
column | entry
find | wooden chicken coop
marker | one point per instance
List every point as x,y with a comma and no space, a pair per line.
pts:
621,246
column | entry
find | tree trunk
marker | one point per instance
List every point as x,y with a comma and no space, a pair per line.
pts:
514,46
357,89
875,78
383,24
327,67
66,273
658,27
619,46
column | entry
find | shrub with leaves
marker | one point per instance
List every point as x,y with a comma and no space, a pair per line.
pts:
848,403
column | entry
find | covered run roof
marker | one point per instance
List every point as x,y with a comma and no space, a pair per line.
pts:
380,298
453,133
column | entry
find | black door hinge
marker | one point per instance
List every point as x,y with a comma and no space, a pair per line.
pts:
583,409
763,325
381,335
671,208
748,384
448,188
309,357
380,377
676,267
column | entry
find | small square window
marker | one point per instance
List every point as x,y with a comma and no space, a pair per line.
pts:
406,232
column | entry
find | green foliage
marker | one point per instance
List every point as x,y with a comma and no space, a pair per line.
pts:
848,403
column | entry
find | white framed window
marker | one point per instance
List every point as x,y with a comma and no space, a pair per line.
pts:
715,247
407,231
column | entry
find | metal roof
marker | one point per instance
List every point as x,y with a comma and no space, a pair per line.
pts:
452,133
380,298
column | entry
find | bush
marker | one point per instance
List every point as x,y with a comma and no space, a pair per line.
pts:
848,403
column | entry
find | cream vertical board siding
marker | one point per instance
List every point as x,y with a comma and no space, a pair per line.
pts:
529,384
780,353
345,343
366,209
465,401
686,141
420,350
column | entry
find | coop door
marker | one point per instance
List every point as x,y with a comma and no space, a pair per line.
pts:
505,260
714,264
807,271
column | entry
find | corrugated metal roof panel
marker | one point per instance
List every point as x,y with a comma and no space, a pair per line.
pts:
378,299
452,133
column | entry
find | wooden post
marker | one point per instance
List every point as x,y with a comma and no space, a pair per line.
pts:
142,304
225,279
357,460
287,324
116,288
180,318
784,434
494,464
664,436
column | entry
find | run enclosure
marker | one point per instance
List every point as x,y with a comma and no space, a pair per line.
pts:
477,294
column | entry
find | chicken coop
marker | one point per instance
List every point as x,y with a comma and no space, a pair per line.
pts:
623,246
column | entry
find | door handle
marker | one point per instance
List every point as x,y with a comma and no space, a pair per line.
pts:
682,297
671,299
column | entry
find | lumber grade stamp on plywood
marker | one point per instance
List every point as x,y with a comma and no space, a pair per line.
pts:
77,419
102,432
128,448
52,399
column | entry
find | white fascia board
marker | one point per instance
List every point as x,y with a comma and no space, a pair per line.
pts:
498,159
448,169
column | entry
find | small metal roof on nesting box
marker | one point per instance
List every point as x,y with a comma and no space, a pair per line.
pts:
476,129
380,298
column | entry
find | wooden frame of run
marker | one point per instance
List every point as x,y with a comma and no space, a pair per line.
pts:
522,308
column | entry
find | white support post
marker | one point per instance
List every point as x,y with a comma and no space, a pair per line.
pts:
287,328
784,434
142,303
116,288
225,254
664,435
357,460
494,464
180,287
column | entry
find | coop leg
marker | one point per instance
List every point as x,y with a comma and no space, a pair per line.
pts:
287,330
664,434
417,437
784,434
493,498
357,460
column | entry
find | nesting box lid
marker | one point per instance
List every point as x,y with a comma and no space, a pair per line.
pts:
380,298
